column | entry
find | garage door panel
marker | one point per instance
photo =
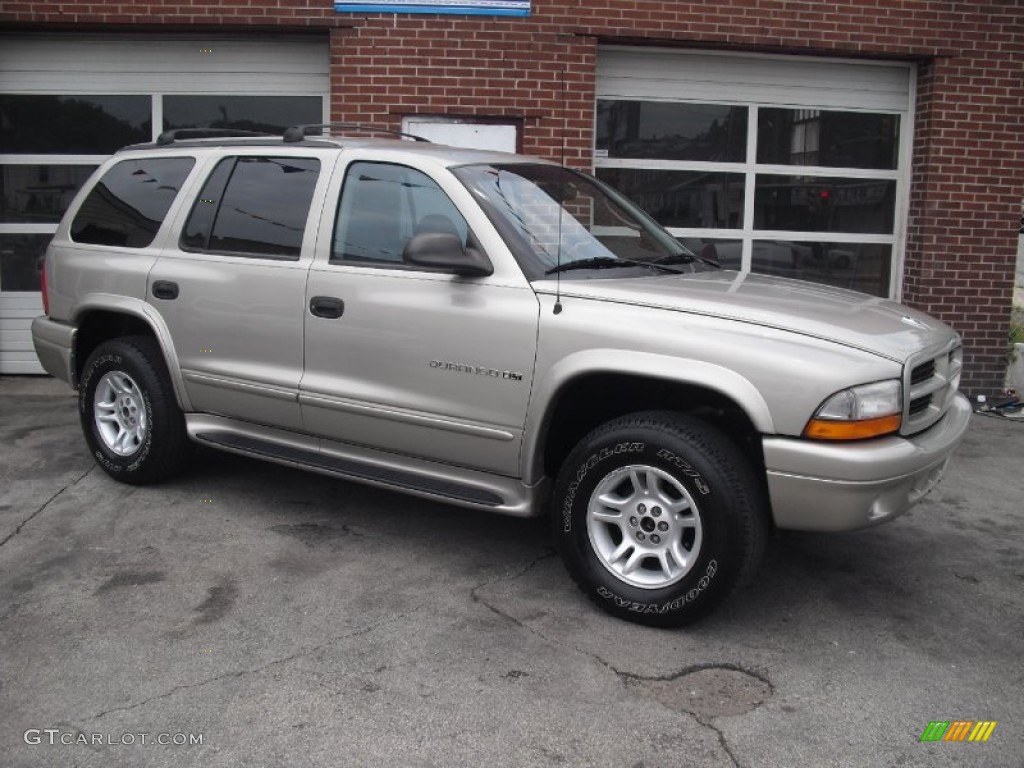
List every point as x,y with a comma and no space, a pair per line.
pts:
673,75
114,65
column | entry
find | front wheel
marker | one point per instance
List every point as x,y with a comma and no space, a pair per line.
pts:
658,518
130,418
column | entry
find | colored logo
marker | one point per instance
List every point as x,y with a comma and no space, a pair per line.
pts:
958,730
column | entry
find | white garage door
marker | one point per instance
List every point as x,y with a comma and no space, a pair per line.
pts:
68,102
795,166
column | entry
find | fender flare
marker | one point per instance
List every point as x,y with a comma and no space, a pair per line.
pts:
626,362
126,305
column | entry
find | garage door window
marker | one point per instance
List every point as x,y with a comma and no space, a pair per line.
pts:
806,193
51,144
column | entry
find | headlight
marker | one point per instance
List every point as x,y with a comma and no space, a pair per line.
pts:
859,412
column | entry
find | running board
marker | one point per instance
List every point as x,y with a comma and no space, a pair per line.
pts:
440,482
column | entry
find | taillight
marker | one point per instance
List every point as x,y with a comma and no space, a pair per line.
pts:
46,297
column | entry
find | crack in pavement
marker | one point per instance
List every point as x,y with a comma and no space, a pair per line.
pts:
252,670
476,598
46,503
625,677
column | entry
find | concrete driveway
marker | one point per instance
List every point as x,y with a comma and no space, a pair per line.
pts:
286,619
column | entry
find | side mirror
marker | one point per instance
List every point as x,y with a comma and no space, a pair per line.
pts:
443,252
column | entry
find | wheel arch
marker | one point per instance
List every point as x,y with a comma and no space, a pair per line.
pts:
98,320
584,391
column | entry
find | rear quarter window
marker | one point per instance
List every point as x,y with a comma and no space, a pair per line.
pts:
130,201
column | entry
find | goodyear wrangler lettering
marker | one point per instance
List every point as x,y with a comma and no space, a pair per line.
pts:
671,605
585,467
688,470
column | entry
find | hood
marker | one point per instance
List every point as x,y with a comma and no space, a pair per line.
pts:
869,323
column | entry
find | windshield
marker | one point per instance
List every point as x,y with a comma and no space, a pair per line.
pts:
558,220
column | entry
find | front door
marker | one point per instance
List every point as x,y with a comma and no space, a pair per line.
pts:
410,361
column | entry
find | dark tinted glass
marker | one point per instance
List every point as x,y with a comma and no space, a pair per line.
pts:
39,193
271,114
21,261
728,254
835,139
806,204
682,198
383,206
127,206
667,131
80,125
196,235
858,266
264,208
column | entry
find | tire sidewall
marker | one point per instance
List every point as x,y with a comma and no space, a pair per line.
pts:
713,574
113,357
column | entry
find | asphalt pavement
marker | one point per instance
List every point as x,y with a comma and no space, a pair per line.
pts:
251,615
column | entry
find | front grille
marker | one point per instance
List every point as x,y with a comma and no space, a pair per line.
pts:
919,404
931,381
922,372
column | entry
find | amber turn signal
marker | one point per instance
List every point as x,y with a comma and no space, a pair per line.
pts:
827,429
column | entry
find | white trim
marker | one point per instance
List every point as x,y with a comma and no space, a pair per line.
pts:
739,168
905,163
28,228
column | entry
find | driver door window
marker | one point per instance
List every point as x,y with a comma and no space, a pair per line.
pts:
382,207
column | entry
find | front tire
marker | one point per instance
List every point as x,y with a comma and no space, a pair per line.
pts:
658,517
130,418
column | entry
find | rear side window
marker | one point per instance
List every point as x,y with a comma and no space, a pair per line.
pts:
129,203
253,206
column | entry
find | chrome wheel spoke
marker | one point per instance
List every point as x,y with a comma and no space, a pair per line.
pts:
607,515
679,554
633,561
119,413
613,501
638,518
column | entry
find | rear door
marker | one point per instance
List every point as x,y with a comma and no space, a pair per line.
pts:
231,289
411,361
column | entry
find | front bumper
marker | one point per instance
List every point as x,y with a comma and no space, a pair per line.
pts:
816,486
55,346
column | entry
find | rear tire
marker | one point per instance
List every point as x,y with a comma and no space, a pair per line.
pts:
130,417
658,517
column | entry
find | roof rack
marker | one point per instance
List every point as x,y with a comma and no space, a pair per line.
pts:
169,137
299,132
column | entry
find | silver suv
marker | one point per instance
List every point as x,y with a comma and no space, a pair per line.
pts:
493,331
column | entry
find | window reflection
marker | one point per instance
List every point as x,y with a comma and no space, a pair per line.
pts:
128,205
814,204
269,114
83,125
858,266
682,198
827,138
21,261
39,193
672,131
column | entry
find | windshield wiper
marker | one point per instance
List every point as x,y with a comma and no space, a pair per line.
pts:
686,258
607,262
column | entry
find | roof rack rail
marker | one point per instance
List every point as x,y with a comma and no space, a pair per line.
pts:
169,137
299,132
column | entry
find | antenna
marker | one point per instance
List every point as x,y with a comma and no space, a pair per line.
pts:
558,256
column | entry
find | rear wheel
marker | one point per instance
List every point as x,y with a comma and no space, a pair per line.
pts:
130,418
658,518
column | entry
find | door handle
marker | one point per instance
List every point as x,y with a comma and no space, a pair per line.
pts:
165,289
327,306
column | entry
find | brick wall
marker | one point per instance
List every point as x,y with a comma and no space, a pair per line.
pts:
968,150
